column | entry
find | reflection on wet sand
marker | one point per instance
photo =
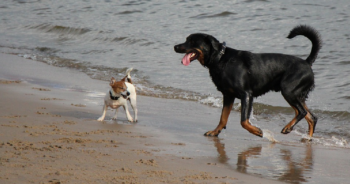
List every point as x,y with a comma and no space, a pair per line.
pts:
220,147
242,160
293,168
296,169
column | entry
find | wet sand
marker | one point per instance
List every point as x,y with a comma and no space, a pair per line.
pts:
49,134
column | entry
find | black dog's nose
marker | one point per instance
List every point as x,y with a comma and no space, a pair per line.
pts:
176,47
128,93
179,48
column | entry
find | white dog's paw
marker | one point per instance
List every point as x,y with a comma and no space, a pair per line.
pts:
131,120
100,119
114,118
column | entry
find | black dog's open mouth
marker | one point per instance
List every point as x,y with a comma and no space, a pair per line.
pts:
186,60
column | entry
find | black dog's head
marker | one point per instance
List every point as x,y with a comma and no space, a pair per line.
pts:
198,46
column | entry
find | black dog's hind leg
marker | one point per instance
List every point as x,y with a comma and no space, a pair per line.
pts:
295,87
300,113
311,119
246,108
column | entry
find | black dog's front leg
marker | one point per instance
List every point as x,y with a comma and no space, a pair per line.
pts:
246,108
226,109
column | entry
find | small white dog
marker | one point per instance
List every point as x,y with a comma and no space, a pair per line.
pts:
120,92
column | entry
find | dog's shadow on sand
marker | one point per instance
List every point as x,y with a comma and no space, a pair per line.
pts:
293,171
90,116
77,114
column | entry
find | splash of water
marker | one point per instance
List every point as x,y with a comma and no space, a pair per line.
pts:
269,136
332,141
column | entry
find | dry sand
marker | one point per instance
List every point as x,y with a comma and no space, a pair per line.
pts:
48,136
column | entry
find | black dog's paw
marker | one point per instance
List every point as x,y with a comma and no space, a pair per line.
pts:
306,140
260,133
286,130
213,133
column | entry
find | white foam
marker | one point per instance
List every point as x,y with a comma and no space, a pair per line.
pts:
331,141
269,135
304,136
340,142
28,56
215,102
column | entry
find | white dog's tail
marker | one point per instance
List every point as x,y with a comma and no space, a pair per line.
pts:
128,77
128,72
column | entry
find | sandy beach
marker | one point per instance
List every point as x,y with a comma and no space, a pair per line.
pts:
50,135
57,58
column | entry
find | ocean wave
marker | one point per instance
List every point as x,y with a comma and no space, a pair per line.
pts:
123,40
58,29
67,33
344,63
129,12
205,15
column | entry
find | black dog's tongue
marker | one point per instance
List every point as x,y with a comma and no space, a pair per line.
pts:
186,60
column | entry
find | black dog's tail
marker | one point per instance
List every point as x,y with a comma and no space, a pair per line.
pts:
312,35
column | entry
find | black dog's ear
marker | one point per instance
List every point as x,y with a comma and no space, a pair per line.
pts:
214,42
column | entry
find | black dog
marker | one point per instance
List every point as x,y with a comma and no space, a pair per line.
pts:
245,75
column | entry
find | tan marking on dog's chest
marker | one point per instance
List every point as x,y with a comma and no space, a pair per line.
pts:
200,56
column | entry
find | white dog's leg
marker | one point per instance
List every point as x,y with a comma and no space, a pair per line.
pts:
127,113
116,114
103,113
134,107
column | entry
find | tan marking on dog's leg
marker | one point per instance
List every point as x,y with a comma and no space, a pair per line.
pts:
310,121
226,110
288,128
252,129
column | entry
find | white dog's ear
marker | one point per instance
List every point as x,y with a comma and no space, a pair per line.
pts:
124,79
112,81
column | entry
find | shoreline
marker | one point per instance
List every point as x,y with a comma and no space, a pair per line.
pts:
49,134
